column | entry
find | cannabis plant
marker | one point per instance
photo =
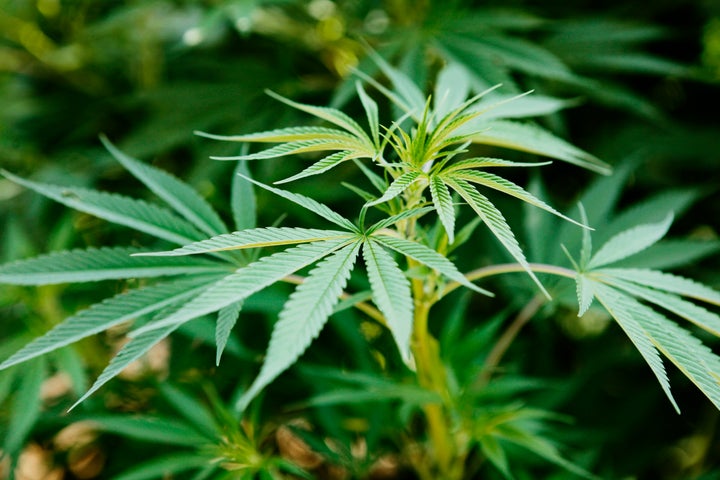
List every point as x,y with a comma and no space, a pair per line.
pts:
423,196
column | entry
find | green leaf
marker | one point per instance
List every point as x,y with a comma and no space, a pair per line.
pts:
393,219
100,264
625,311
226,321
689,311
177,194
500,184
485,162
190,407
665,281
310,204
442,200
320,166
110,312
452,87
159,430
248,280
303,316
412,97
586,249
428,257
533,139
254,238
584,293
161,467
130,352
669,254
391,293
283,135
398,186
493,451
25,406
304,146
495,221
630,242
336,117
242,200
136,214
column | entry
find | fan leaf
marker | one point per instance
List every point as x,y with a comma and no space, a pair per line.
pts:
227,317
442,200
629,242
177,194
391,293
321,166
303,316
254,238
110,312
398,186
137,214
666,282
106,263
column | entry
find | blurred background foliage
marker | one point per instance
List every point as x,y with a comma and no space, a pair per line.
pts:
639,81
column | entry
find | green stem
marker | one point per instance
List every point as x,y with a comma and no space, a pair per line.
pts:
511,268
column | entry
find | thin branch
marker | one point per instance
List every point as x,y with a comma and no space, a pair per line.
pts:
511,268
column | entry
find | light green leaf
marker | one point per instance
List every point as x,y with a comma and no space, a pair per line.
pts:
25,406
533,139
391,293
282,135
625,311
246,281
226,321
254,238
524,107
110,312
428,257
177,194
336,117
242,200
310,204
586,249
669,254
404,86
689,311
452,87
136,214
303,316
304,146
100,264
485,162
500,184
665,281
130,352
629,242
191,407
495,221
393,219
321,166
584,293
398,186
442,200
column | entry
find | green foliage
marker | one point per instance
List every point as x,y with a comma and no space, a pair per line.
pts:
319,259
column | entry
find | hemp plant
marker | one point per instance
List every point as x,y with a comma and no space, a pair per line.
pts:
404,235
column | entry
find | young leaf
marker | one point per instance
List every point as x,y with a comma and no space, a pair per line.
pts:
283,135
110,312
321,166
246,281
303,316
162,466
371,110
310,204
500,184
398,186
303,146
495,221
391,293
629,242
177,194
226,321
428,257
158,430
442,200
137,214
584,293
92,265
494,452
533,139
254,238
